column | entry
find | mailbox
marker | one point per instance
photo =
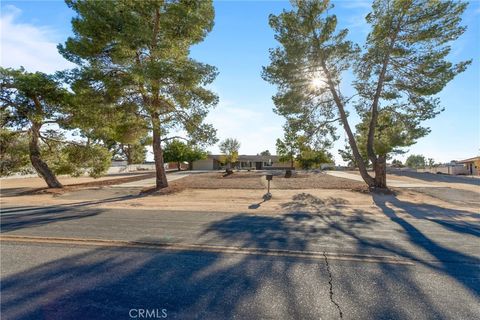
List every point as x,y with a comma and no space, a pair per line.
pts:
268,195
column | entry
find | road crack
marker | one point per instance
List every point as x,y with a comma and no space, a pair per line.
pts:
330,282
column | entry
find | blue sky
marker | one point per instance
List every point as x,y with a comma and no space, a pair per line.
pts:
238,47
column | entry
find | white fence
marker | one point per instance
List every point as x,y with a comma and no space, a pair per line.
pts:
112,170
131,168
453,170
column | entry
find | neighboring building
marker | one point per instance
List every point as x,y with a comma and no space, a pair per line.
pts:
259,162
253,162
452,168
211,163
472,165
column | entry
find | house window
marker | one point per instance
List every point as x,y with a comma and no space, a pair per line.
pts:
244,164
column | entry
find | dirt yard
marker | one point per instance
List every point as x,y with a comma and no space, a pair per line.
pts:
256,180
316,181
212,192
247,201
217,180
16,186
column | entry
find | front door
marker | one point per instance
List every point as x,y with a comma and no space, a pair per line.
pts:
258,165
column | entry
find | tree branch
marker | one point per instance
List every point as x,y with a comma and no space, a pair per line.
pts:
19,131
343,115
62,141
376,98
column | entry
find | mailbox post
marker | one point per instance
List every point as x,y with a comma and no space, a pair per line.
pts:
268,195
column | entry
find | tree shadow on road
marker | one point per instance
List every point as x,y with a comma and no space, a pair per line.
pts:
447,258
322,224
107,282
14,218
460,226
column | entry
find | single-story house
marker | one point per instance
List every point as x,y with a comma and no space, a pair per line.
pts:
472,165
257,162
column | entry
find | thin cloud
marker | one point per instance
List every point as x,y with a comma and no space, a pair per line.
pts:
256,130
27,45
354,4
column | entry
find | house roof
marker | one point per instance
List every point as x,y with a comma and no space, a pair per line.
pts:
245,157
470,160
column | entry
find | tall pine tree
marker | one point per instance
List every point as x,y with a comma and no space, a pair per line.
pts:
398,73
136,53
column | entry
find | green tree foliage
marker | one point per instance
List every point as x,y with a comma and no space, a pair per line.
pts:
397,163
13,153
178,151
175,151
265,153
398,73
116,125
290,146
194,153
135,56
415,161
394,131
348,157
229,147
30,103
133,153
76,159
126,137
310,159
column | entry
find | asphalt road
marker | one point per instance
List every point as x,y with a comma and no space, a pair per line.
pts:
83,262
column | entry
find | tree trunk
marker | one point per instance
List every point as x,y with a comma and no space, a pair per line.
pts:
178,166
228,169
161,177
40,166
190,165
128,153
351,138
380,168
